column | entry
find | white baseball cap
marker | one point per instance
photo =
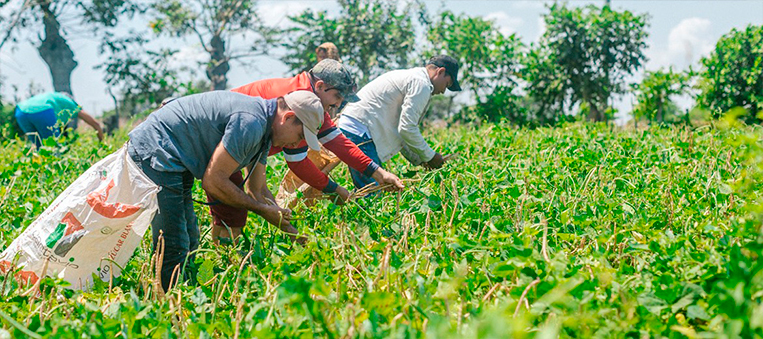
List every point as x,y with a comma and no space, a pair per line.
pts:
307,107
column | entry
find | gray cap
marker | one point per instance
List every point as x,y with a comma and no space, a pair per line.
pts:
336,76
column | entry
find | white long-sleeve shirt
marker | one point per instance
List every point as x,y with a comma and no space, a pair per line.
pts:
391,107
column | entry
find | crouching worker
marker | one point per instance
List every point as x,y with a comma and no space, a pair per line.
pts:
210,136
386,119
331,82
46,115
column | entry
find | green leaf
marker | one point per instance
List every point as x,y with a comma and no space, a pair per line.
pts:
653,304
206,272
697,312
683,302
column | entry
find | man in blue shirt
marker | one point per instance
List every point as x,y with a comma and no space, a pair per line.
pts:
210,136
47,114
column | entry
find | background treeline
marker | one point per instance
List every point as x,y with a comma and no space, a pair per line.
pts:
586,58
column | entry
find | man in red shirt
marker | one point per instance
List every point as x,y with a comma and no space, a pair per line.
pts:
332,83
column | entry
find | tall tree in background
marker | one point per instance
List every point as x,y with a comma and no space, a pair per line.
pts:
489,62
215,23
373,36
584,57
82,18
732,75
656,92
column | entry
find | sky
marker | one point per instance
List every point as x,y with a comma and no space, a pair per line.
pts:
681,32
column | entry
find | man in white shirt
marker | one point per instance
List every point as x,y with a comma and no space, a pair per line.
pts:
386,119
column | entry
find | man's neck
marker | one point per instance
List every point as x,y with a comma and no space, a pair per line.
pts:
431,73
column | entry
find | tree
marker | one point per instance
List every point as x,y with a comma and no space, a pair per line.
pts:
52,39
584,57
215,23
137,77
489,62
655,92
373,36
732,75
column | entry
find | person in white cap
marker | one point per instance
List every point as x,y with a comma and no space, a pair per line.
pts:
209,136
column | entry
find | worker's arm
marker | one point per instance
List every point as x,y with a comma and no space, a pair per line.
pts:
417,96
216,182
87,118
257,186
333,139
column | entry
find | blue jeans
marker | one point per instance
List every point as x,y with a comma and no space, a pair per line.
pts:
175,219
366,144
38,126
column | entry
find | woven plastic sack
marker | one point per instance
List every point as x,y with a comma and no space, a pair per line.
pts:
91,229
292,184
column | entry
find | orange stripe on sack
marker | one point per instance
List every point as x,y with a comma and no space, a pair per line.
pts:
97,200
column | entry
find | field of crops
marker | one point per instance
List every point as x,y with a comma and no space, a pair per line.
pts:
578,231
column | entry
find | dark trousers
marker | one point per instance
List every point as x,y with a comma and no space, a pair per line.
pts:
175,220
367,146
38,126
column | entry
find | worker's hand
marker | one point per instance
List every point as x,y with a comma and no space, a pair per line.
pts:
100,135
220,232
293,234
342,195
383,177
435,163
276,216
281,217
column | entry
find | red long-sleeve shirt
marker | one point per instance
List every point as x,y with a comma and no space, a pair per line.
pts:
329,135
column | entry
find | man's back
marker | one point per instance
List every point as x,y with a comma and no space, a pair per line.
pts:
393,98
274,88
183,134
386,93
64,106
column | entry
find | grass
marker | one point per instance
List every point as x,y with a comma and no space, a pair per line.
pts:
578,231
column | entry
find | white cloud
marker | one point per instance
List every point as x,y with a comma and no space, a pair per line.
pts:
506,24
7,60
528,4
541,28
276,14
687,42
691,38
190,56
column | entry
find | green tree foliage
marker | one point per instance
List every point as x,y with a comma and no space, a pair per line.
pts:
9,128
732,76
584,57
137,77
40,21
655,93
489,62
215,23
373,36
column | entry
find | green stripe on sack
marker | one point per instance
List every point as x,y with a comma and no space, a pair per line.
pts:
55,236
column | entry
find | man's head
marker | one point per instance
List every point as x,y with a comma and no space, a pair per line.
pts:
299,117
327,50
443,71
333,83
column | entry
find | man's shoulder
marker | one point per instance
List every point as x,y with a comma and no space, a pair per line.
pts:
415,75
275,87
229,97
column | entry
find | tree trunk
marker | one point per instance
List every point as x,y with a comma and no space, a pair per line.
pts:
660,117
56,52
594,114
112,124
218,67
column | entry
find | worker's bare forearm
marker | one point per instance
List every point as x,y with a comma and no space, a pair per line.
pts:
228,193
